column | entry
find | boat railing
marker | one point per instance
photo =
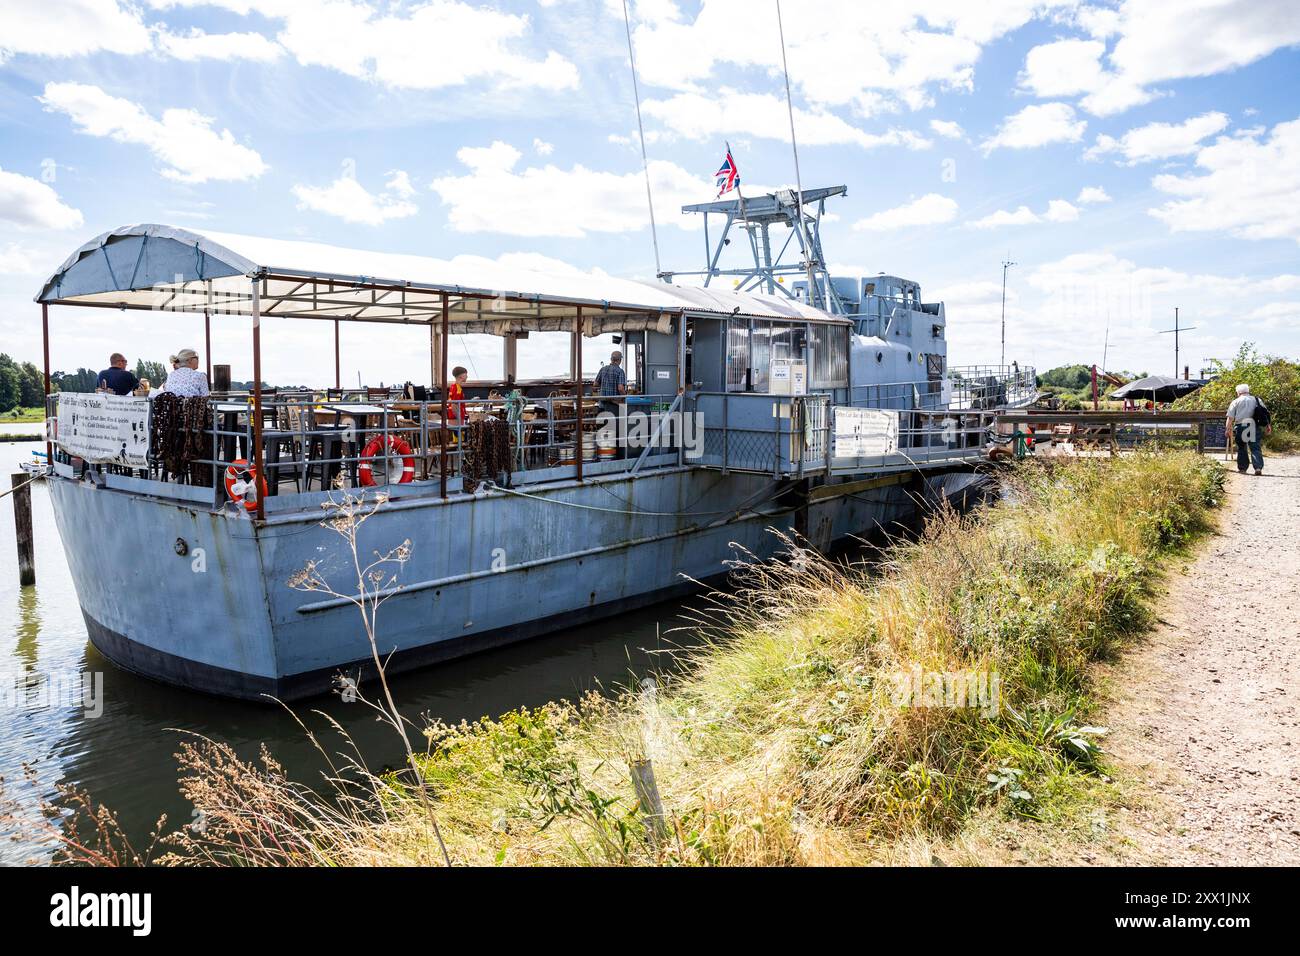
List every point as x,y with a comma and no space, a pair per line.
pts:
794,436
962,388
311,442
991,386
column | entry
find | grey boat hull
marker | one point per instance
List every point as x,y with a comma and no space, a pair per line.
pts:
483,571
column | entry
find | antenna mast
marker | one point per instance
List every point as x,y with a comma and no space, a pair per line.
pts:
1006,264
1176,329
798,182
645,162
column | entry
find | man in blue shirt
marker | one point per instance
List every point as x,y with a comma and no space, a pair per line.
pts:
611,379
116,378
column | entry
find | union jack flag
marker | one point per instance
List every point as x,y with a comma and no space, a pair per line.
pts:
728,176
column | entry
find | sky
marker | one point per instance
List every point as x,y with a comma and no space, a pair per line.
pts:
1130,157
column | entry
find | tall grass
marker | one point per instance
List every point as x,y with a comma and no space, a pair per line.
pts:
784,739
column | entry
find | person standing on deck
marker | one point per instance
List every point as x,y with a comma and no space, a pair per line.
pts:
1243,423
116,378
186,379
611,380
456,396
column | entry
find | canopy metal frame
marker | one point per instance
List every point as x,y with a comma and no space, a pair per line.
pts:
186,272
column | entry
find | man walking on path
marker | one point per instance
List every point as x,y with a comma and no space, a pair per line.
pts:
1243,414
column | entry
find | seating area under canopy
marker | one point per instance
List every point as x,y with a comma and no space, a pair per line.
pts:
167,269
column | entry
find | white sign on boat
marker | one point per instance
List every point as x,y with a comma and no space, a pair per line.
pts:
865,432
105,429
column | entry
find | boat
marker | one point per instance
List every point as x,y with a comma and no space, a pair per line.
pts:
37,466
791,406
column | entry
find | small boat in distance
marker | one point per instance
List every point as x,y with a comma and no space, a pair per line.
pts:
37,466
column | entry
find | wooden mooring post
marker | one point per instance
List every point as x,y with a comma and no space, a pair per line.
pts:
22,495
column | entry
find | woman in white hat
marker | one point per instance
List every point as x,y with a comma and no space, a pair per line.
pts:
186,379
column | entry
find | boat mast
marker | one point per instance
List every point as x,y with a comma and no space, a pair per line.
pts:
645,162
798,181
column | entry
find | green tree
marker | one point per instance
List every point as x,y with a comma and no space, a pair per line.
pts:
11,383
33,386
82,380
1068,377
1275,380
155,372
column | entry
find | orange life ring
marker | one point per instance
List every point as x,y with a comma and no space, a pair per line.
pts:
240,472
399,449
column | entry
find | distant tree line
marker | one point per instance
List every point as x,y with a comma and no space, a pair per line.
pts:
22,384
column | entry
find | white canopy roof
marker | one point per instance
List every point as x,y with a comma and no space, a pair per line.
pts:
165,268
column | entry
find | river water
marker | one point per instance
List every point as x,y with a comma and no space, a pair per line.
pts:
124,757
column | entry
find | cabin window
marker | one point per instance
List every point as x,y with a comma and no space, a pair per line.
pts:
774,342
760,355
737,353
830,356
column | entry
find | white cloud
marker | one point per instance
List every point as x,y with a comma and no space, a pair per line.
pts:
15,260
842,53
714,115
1022,216
1089,195
198,45
70,28
399,184
1064,68
931,209
947,129
543,148
1247,184
438,44
494,196
1085,286
1037,125
350,201
1157,41
1162,41
183,140
27,203
1160,140
1058,210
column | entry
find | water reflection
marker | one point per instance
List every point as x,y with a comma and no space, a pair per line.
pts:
29,629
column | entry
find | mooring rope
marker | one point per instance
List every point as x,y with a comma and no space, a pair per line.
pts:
18,487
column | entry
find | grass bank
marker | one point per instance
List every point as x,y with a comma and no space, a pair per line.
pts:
21,415
822,724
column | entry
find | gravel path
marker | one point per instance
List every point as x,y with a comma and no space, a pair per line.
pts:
1207,713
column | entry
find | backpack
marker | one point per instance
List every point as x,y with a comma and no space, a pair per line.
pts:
1263,417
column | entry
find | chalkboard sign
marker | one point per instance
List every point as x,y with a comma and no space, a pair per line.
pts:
1215,434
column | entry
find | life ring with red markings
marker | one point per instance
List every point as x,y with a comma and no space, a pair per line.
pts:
242,477
397,448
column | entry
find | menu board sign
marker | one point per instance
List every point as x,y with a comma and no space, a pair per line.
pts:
105,429
865,432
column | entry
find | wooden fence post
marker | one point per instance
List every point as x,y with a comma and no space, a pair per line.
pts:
647,795
22,495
